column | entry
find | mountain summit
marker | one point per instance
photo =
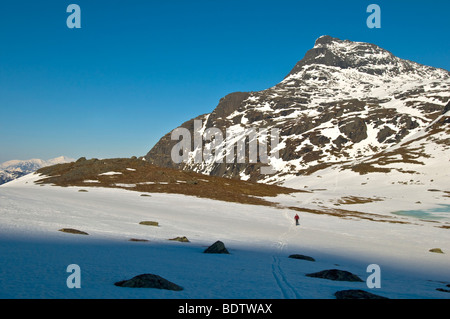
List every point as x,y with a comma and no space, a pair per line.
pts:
364,57
349,104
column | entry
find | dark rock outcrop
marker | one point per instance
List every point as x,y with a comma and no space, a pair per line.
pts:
160,154
227,105
384,133
355,129
302,257
148,281
336,274
446,108
217,248
443,289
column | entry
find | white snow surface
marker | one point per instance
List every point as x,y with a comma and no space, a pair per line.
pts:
34,254
110,173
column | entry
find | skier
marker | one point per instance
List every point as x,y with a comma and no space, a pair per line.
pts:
296,219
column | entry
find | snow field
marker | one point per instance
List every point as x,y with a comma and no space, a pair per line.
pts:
35,255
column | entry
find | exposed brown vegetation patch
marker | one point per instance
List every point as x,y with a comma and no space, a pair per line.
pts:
350,200
379,162
73,231
181,239
365,168
436,250
141,176
149,223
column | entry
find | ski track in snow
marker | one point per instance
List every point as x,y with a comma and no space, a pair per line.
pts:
287,289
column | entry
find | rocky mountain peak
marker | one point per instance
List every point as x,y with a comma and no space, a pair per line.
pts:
344,54
324,40
342,102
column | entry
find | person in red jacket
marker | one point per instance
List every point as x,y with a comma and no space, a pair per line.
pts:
296,219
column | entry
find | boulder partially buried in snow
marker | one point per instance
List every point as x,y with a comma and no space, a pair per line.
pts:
148,281
335,274
217,248
302,257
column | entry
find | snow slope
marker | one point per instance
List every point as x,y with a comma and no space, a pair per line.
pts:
34,255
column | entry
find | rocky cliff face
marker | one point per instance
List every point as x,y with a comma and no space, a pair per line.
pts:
344,102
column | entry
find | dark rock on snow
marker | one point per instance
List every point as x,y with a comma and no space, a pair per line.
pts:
443,290
217,248
302,257
335,274
148,281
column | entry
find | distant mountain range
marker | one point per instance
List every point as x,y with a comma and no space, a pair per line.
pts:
14,169
349,105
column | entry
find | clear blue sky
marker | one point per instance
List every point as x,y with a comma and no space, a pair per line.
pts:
137,69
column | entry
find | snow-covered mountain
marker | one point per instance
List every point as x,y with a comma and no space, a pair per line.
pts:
345,104
11,170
